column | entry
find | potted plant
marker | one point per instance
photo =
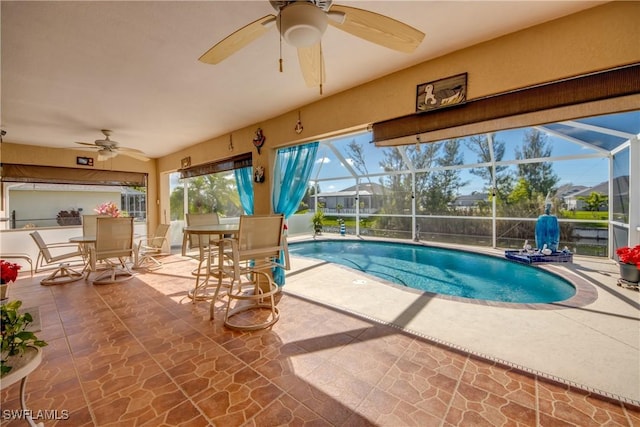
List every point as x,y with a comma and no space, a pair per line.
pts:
108,209
8,274
629,263
317,220
17,341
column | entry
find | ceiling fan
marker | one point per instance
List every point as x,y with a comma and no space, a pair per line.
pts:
301,23
108,149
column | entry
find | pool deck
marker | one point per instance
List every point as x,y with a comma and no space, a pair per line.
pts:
592,343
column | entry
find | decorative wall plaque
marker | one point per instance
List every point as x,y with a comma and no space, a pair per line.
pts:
258,175
259,139
185,162
441,93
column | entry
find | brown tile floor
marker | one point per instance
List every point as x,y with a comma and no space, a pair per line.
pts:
137,354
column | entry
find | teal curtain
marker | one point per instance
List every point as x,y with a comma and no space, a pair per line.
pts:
245,188
290,179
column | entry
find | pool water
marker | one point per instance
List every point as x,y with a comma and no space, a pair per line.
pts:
442,271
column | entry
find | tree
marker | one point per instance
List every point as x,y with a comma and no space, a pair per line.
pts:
446,183
176,203
356,153
396,190
207,194
594,201
435,188
479,144
539,175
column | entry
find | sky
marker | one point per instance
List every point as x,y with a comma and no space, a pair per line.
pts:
588,172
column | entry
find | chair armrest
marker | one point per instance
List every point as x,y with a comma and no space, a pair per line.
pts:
146,243
62,245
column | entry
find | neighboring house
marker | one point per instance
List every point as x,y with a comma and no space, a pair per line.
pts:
567,196
40,204
620,191
368,195
573,201
469,202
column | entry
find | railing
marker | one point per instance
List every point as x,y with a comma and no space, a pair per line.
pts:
15,223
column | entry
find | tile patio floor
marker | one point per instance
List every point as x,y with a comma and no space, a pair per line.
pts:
136,353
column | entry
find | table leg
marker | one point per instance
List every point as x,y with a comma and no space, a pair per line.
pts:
202,279
23,404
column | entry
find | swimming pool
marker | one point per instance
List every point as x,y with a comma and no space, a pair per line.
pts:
442,271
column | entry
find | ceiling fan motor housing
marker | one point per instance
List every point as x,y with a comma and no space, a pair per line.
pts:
302,23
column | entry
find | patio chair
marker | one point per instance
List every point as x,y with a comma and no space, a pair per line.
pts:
64,251
89,225
251,257
114,247
150,247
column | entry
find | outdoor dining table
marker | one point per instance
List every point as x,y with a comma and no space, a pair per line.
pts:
221,230
85,242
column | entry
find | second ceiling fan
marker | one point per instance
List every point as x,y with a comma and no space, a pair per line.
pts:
301,23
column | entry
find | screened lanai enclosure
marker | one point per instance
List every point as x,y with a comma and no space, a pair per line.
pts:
483,190
488,189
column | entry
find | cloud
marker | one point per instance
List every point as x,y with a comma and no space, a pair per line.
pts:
323,160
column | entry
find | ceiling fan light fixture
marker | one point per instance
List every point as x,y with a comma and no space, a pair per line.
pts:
302,24
105,153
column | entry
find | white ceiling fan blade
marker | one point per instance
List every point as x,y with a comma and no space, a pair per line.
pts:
378,29
90,144
237,40
133,153
312,65
129,150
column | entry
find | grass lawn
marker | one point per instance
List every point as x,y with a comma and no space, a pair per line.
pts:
598,215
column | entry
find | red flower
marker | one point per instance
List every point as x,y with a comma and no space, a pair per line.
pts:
629,255
9,271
